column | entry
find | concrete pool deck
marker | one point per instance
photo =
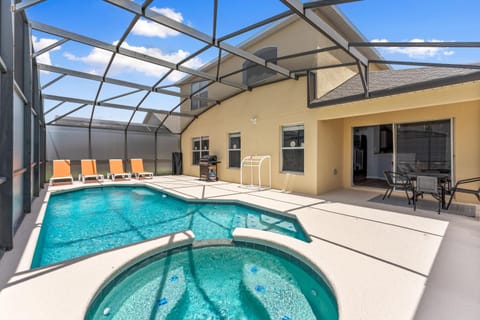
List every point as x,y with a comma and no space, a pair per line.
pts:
383,261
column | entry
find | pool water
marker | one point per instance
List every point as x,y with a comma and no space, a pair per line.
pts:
216,283
91,220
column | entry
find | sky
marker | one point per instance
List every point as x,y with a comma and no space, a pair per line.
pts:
377,20
414,20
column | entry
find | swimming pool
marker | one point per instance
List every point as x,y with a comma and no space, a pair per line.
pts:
91,220
221,282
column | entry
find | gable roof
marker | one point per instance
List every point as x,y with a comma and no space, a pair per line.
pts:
390,82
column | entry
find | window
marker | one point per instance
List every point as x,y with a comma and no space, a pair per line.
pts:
253,72
200,149
292,148
203,93
234,146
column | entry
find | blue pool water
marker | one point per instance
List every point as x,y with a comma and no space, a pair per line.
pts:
216,283
91,220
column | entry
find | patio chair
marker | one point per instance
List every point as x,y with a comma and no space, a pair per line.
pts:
61,171
89,170
116,170
137,169
427,185
397,181
458,187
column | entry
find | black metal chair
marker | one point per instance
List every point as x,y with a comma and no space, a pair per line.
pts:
397,181
458,187
427,184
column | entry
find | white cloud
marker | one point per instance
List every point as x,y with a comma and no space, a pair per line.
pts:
148,28
39,44
417,52
98,59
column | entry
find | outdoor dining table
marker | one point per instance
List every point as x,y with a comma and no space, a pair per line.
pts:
443,181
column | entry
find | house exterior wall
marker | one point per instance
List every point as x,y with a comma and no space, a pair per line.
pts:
273,106
285,38
426,106
330,155
328,130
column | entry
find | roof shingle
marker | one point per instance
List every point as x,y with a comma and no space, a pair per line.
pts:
390,82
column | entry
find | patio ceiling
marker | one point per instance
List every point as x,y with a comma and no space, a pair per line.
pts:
154,103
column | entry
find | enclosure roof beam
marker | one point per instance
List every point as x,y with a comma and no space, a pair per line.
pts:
319,24
330,66
182,102
306,53
256,25
17,7
111,105
3,66
112,58
428,64
126,52
48,48
196,34
280,16
60,77
67,114
121,95
54,107
123,83
215,16
145,97
111,127
324,3
428,44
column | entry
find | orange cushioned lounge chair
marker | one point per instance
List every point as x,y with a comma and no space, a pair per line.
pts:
137,169
116,169
61,171
89,170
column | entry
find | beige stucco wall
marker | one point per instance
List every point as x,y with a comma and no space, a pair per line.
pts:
273,106
466,132
465,115
328,130
285,38
330,155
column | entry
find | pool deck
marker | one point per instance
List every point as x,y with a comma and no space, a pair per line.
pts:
383,261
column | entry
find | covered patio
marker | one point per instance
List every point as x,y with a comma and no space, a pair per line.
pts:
326,108
414,264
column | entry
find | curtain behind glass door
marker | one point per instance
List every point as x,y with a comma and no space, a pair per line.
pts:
424,147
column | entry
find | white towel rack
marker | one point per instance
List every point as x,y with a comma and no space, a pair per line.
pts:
256,162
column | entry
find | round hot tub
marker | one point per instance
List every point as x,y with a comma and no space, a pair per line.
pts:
216,282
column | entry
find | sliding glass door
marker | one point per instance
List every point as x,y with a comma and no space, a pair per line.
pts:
424,147
372,155
407,147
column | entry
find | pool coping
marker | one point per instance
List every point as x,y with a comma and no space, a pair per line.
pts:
366,286
52,292
29,252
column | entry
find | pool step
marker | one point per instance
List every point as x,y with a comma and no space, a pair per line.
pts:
148,306
264,222
280,299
